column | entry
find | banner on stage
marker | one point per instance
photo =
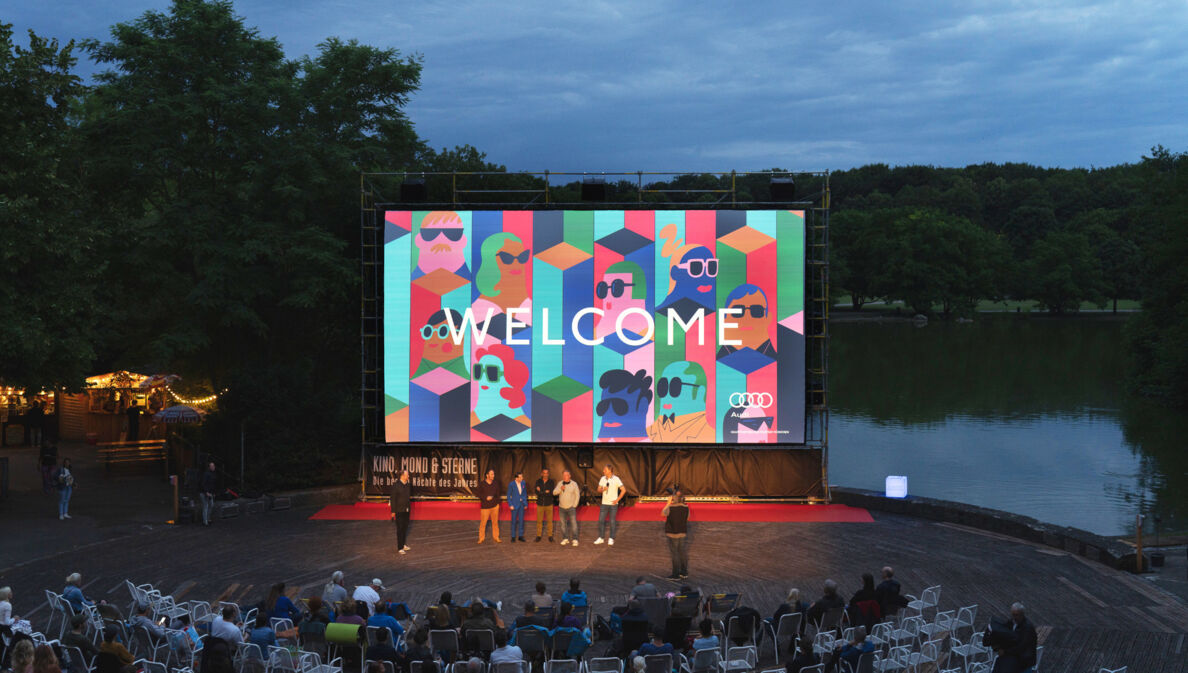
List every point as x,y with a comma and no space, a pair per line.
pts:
436,471
666,327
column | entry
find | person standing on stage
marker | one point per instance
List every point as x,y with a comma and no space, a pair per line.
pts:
517,500
570,496
489,496
400,501
611,488
676,528
544,504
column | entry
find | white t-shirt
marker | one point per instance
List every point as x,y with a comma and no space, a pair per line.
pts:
613,485
368,595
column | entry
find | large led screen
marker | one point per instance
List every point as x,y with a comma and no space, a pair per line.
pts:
669,327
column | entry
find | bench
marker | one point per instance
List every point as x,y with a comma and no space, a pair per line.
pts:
125,453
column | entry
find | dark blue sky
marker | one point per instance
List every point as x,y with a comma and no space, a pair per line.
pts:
668,85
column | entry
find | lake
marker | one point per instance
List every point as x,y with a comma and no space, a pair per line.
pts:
1019,413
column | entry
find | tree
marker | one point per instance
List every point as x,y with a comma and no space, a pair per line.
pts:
857,254
1062,272
48,310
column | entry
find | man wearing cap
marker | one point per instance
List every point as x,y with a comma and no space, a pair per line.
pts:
143,620
369,594
76,638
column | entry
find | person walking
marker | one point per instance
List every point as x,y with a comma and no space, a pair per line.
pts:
64,482
569,497
400,500
489,495
544,504
611,488
133,411
676,529
517,500
206,491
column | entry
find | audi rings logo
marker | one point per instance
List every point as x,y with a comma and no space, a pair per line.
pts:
751,400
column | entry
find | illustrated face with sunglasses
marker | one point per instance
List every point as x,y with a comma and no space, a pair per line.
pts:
617,290
441,242
748,321
624,404
439,343
681,389
695,276
753,426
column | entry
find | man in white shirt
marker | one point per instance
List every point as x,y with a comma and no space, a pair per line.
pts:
611,488
504,652
369,594
224,627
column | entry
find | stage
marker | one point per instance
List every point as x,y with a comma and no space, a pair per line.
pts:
431,510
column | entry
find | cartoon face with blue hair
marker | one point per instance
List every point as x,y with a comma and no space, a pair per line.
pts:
746,317
694,277
624,405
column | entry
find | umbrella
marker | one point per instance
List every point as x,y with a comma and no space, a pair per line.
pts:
180,413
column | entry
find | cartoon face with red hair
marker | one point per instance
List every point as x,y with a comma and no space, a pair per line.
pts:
500,379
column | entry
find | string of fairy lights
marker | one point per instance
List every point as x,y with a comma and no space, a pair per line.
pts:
194,400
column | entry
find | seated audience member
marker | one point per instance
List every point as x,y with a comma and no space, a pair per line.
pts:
887,593
224,627
73,593
368,595
478,620
474,665
114,647
791,605
348,616
864,604
142,619
76,638
575,596
335,591
686,603
529,618
644,589
705,636
851,651
382,618
804,657
376,666
639,664
262,633
382,650
419,651
748,621
655,646
829,600
216,657
503,651
187,631
279,606
444,615
1014,641
317,611
634,612
21,657
542,597
45,661
565,618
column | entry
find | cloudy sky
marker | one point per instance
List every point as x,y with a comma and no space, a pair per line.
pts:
680,85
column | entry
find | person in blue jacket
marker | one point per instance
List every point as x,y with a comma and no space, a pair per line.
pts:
517,500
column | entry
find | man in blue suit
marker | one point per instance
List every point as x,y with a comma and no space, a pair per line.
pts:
517,500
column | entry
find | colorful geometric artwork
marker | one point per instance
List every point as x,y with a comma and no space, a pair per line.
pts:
665,327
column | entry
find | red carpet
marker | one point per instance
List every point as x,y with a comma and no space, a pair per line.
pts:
698,511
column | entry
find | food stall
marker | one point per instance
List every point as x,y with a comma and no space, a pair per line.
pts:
116,407
22,413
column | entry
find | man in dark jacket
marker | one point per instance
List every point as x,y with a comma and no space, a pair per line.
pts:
544,503
206,491
676,525
1017,653
829,600
489,494
400,500
887,593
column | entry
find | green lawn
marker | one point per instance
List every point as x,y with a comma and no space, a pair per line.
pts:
986,306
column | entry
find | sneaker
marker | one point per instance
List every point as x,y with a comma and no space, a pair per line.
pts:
405,548
538,538
522,539
550,538
565,542
673,577
610,541
684,577
513,539
598,541
574,542
61,517
66,515
403,551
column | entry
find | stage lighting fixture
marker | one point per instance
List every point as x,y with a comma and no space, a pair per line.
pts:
413,190
594,189
896,486
783,189
585,458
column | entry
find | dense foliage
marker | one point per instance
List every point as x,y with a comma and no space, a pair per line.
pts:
195,210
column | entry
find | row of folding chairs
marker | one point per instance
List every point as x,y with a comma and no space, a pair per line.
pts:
249,658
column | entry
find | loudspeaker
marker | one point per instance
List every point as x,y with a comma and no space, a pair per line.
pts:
594,189
413,190
783,189
585,458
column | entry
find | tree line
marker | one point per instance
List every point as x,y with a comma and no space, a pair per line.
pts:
194,209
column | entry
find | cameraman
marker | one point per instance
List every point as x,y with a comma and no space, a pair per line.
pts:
1014,641
676,528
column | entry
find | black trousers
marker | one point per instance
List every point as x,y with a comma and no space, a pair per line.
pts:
678,548
401,529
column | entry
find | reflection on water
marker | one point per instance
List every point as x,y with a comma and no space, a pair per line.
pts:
1022,414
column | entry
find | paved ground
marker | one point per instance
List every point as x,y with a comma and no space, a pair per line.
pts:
1089,615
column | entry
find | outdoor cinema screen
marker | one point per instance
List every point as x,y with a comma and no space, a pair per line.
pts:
669,327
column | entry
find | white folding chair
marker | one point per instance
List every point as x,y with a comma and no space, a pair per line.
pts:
280,660
562,666
907,632
896,660
965,619
942,623
928,599
1039,655
148,666
1112,670
248,658
510,667
788,627
603,665
709,659
740,659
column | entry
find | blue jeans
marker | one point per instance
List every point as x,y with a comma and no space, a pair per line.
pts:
517,522
64,500
569,525
607,511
